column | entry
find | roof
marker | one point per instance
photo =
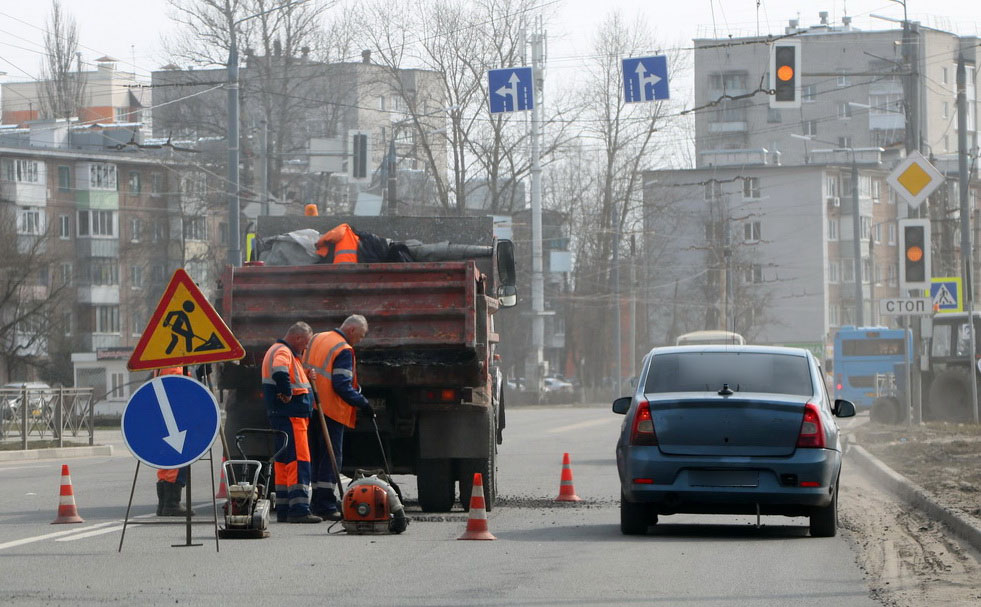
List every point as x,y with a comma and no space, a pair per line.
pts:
731,349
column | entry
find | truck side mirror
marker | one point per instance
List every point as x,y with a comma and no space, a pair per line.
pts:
507,291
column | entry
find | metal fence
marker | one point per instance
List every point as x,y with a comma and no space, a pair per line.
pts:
52,413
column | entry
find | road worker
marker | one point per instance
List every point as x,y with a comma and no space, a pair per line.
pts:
339,245
288,404
333,368
171,483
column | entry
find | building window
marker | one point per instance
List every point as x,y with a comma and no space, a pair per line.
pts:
64,226
117,380
135,229
137,322
751,187
832,228
753,274
809,93
834,272
752,231
134,182
195,228
713,190
946,109
107,319
156,183
21,171
866,269
844,111
136,276
877,233
66,273
29,221
104,271
97,223
223,232
158,273
66,322
847,270
866,223
159,230
102,176
892,234
810,127
876,191
842,79
845,141
64,178
892,273
944,76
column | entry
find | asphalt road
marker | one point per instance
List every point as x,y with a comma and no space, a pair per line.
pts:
545,554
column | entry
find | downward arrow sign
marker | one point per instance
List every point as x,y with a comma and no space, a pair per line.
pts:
175,437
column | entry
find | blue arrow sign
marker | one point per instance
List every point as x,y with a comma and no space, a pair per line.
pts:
511,90
645,79
170,421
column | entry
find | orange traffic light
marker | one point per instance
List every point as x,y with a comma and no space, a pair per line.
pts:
914,253
785,72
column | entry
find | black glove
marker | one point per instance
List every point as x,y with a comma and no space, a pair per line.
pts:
366,408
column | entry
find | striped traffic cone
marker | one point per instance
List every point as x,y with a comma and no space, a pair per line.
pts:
67,513
567,493
477,523
223,484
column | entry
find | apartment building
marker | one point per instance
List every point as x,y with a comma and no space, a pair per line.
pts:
852,93
103,231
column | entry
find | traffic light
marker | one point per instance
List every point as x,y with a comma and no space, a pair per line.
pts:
914,254
359,156
785,74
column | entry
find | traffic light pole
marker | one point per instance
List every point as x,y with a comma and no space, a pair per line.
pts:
967,259
857,245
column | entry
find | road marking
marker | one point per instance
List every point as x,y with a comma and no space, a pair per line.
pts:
47,536
93,533
586,424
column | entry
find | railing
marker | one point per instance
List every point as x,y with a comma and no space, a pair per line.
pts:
50,412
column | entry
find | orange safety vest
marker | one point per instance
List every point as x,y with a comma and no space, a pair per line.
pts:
279,357
345,243
169,371
319,359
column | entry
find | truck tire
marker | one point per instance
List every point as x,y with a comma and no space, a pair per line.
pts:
888,410
434,480
950,396
487,467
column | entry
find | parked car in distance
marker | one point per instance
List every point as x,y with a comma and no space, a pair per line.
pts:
38,393
558,385
730,430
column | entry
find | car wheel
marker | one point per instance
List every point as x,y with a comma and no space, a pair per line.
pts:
635,518
824,521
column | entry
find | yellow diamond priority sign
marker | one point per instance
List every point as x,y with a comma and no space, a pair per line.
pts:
915,179
184,330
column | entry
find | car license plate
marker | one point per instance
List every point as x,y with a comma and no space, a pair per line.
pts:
723,478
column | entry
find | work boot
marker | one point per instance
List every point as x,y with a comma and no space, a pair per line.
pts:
304,518
172,500
160,497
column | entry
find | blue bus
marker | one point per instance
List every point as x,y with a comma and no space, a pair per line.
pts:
863,352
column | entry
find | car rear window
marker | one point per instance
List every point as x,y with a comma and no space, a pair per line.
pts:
743,371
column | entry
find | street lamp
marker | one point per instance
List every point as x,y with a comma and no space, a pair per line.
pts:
234,206
856,229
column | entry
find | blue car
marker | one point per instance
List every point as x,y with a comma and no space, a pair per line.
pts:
730,430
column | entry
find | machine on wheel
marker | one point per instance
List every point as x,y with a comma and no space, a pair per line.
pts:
249,488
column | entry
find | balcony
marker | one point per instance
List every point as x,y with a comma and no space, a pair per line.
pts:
757,156
99,294
738,126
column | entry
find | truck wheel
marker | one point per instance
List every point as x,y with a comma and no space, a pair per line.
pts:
434,481
888,410
950,396
487,467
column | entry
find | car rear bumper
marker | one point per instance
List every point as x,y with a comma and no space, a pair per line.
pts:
730,485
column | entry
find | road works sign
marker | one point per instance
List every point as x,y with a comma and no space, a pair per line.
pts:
645,79
915,179
184,330
170,421
511,90
945,294
906,306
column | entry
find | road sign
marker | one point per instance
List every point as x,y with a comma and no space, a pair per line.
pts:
170,421
906,306
645,79
511,90
914,179
184,330
945,294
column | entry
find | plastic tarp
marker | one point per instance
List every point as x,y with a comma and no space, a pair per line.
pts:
297,248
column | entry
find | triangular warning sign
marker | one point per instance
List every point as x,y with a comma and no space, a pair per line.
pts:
184,330
943,298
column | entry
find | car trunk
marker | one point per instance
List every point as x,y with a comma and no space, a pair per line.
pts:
762,425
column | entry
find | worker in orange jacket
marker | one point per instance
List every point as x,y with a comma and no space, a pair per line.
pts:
339,245
289,403
171,483
331,364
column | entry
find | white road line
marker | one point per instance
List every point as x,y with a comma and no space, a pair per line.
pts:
47,536
82,536
586,424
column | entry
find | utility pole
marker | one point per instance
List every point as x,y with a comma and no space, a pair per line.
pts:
232,139
534,366
393,207
966,254
857,245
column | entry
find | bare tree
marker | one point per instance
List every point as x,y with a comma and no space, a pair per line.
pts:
62,87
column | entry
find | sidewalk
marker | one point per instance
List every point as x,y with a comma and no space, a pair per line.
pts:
107,442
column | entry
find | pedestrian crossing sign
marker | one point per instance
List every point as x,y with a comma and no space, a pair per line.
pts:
946,294
184,330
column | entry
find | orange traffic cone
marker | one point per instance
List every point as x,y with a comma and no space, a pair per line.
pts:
567,493
67,513
223,484
477,523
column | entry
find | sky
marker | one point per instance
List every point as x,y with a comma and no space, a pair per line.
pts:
132,30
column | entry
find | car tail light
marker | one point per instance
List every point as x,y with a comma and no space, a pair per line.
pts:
437,395
643,481
810,484
642,432
811,432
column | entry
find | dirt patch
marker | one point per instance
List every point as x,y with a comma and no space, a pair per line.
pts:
944,459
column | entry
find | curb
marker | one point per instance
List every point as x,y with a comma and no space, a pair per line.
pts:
916,496
55,453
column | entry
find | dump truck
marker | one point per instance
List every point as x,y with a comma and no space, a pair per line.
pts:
427,365
947,379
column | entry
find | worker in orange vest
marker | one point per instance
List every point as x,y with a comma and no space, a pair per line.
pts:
289,403
171,483
339,245
333,368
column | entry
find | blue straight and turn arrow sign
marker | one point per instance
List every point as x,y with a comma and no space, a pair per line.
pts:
511,90
170,421
645,79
